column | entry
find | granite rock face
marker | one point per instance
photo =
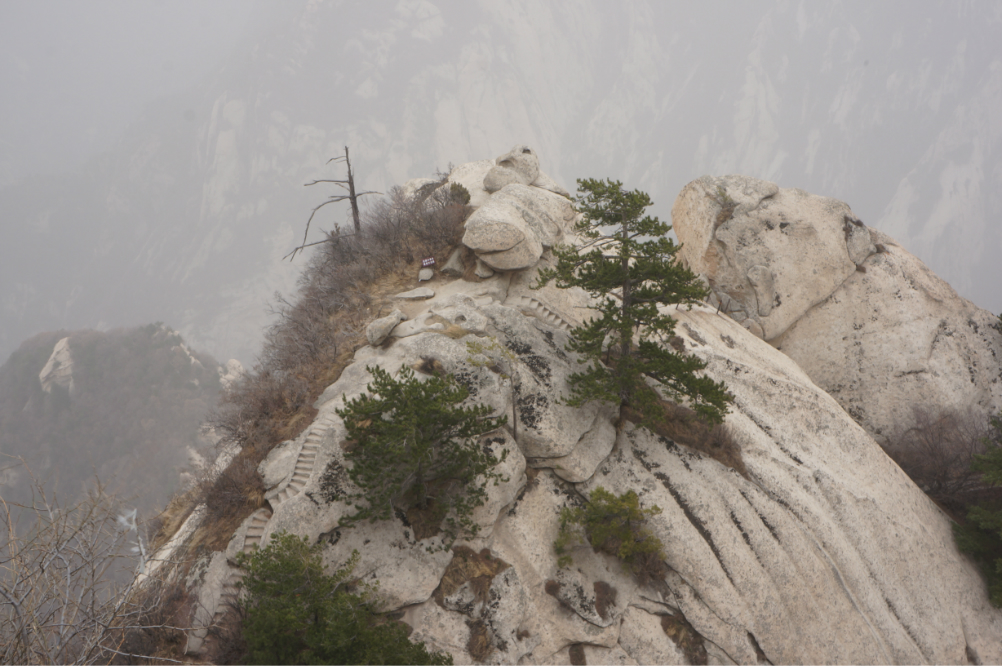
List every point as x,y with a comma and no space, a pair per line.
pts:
825,539
770,254
898,338
867,321
821,551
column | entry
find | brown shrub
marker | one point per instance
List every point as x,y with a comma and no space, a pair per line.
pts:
314,338
936,453
154,635
479,643
605,596
467,565
678,629
683,426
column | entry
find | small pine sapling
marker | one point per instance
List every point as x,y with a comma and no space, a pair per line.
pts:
632,271
613,525
414,447
500,360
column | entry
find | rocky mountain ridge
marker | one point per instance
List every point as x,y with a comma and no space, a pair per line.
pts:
821,550
125,406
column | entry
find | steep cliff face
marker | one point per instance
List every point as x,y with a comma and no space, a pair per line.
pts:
822,550
125,405
865,319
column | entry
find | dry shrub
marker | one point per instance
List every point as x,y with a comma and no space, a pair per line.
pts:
315,337
467,565
236,493
479,643
605,596
156,636
649,568
936,453
678,629
683,426
227,644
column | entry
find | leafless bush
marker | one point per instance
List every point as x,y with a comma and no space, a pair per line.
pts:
66,581
936,452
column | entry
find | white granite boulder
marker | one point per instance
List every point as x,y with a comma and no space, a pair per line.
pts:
866,320
510,231
379,329
518,165
898,338
770,254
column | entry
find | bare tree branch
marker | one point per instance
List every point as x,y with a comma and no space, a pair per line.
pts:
352,197
67,582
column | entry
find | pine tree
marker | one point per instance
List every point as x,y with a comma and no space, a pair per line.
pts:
981,535
633,271
414,447
296,613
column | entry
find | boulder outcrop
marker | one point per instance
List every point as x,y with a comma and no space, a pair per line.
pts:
58,370
866,320
513,227
821,551
520,211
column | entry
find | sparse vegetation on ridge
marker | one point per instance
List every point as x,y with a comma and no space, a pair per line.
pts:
613,525
344,286
980,536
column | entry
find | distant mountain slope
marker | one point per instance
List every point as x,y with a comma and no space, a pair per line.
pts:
123,405
187,218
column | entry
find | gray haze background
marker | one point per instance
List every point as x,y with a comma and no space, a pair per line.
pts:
153,154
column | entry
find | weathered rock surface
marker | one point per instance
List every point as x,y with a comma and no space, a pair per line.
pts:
826,540
823,552
518,165
875,328
379,329
896,338
770,254
511,229
421,293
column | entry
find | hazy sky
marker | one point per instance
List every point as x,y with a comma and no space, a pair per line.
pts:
76,73
172,138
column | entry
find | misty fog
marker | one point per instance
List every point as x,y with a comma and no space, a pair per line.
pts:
153,154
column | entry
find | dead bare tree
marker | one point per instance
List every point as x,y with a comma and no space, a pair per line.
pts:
66,581
348,184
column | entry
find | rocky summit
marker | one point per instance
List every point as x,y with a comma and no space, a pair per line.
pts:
814,547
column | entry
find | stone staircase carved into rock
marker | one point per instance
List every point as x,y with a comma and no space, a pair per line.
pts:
230,589
305,462
534,308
